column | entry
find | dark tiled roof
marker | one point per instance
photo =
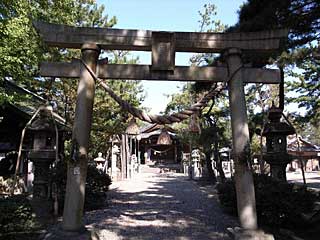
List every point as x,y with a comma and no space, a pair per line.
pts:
24,100
27,102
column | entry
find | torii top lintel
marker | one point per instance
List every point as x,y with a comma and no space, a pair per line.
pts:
57,35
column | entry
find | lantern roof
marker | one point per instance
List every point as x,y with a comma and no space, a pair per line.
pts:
46,121
279,128
275,126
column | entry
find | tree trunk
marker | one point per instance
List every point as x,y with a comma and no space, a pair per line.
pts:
209,167
216,152
218,161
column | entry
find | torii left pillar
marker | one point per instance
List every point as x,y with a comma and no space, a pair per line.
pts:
77,167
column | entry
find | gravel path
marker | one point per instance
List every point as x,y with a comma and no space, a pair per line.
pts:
157,205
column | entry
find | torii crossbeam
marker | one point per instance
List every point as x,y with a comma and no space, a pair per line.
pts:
163,46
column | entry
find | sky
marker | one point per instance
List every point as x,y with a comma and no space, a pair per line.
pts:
165,15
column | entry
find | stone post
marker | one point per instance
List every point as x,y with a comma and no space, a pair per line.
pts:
241,145
77,167
115,151
123,156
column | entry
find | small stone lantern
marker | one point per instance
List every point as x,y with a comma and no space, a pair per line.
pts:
115,152
43,152
100,161
276,133
196,166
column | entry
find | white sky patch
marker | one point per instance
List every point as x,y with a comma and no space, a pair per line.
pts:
156,94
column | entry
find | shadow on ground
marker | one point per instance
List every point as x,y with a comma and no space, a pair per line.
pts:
313,182
163,206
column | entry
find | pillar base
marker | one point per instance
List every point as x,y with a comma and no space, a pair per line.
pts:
241,234
59,234
43,208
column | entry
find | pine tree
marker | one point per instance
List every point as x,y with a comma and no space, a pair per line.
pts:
300,57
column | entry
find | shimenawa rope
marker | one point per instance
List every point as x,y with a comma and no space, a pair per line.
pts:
162,119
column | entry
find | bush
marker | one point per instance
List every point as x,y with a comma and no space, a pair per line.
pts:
278,204
97,185
16,215
228,197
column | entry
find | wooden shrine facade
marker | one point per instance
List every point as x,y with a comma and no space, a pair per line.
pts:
151,151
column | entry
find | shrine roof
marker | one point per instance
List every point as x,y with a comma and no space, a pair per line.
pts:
26,102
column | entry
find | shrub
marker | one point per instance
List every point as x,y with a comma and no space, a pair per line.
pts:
97,185
16,215
278,204
228,197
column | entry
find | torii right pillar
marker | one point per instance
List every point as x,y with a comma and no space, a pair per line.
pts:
241,144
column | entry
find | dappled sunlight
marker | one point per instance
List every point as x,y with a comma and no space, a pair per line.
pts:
154,195
160,206
247,213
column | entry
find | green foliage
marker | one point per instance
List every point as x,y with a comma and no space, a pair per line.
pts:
228,197
21,51
16,215
193,92
216,125
97,184
96,187
109,118
309,131
300,57
207,20
207,23
278,204
300,16
180,101
18,41
306,85
214,120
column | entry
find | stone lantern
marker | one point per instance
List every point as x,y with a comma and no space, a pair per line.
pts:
115,152
195,164
276,133
43,153
100,161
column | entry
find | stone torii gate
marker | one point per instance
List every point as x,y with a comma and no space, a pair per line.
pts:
163,46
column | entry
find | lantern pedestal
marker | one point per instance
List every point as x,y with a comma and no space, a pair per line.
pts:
41,201
278,163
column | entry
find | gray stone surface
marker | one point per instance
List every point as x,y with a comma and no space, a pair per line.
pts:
240,234
57,35
181,73
246,203
77,168
157,205
56,233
